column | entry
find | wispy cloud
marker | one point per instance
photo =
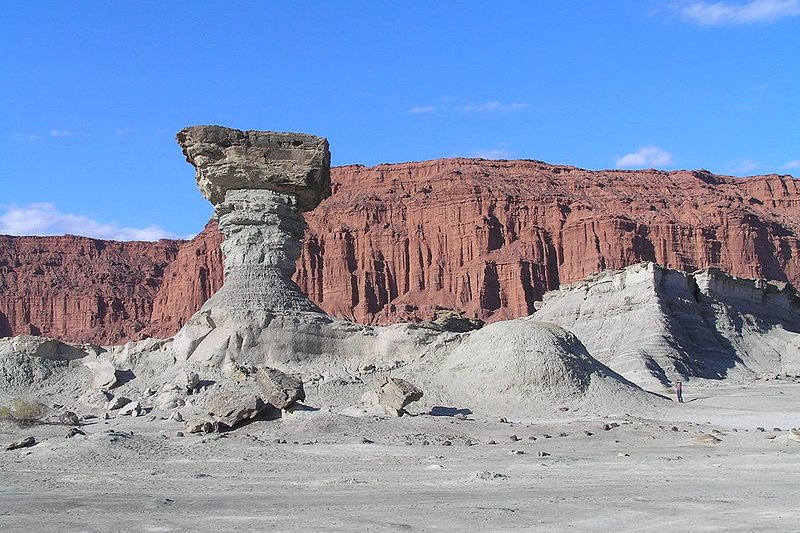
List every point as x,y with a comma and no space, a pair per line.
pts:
27,137
493,153
421,109
45,219
650,156
455,105
493,106
747,165
790,165
738,13
60,133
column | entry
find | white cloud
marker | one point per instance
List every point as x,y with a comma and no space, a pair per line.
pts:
493,153
60,133
747,165
45,219
464,106
645,157
794,163
493,106
421,109
730,13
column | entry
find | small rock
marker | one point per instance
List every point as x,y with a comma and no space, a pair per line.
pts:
513,438
588,433
368,441
73,432
563,409
117,402
106,416
131,409
674,428
503,420
186,380
516,452
770,436
447,443
706,438
460,416
198,425
176,417
489,476
24,443
562,434
776,429
68,418
621,454
492,442
531,438
543,454
547,436
179,434
760,429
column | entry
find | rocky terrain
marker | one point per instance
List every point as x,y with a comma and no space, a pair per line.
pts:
394,242
443,424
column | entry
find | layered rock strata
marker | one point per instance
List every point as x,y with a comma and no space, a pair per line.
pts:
259,183
396,242
655,325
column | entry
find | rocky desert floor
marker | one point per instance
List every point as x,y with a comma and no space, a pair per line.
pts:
726,460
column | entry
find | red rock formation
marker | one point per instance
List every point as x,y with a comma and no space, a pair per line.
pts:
79,289
489,237
395,241
188,281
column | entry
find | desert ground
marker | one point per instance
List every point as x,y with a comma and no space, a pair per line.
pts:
438,470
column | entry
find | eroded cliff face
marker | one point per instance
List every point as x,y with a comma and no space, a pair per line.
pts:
80,289
487,237
490,237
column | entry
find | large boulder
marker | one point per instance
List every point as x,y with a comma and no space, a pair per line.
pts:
396,393
230,408
103,374
280,390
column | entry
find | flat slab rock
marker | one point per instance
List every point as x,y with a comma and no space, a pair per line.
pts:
231,408
280,390
397,393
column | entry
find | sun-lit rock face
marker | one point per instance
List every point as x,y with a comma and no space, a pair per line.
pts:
259,182
227,159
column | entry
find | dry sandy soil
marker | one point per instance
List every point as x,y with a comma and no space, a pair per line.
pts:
137,475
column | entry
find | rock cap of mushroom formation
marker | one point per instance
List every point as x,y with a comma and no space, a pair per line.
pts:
289,163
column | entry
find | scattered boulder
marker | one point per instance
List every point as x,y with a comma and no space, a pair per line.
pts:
280,389
103,374
24,443
231,408
117,402
73,432
396,393
186,380
170,400
455,321
68,418
706,438
176,416
198,425
131,408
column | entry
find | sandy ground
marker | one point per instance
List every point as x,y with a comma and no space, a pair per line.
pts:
137,475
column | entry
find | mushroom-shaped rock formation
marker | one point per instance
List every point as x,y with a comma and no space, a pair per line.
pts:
259,183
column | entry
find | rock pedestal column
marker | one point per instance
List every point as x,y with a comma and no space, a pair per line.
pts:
259,183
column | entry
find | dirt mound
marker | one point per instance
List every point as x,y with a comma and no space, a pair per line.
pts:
527,365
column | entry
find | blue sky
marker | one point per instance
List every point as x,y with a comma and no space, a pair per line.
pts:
92,93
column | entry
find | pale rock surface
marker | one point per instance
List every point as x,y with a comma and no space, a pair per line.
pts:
655,325
396,393
279,389
232,407
103,374
519,365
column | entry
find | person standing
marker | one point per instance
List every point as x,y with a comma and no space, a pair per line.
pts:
679,391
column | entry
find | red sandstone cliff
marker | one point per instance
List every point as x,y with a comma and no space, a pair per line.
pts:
394,241
79,289
489,237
